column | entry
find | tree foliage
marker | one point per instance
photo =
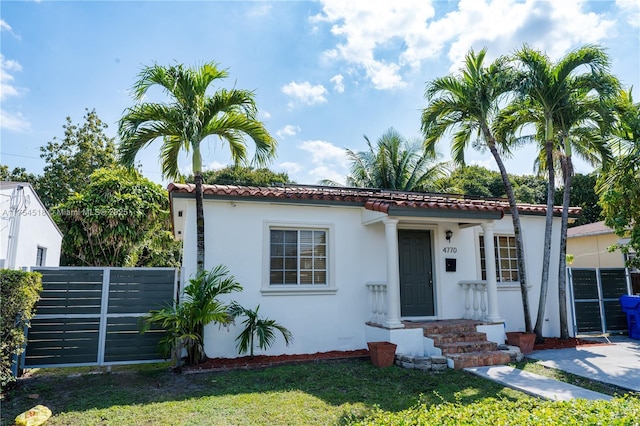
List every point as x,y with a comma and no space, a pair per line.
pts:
119,219
258,327
584,195
19,292
242,175
184,322
71,160
189,118
394,163
618,186
18,174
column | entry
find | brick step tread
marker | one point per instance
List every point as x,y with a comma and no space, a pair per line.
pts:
479,359
467,336
466,347
448,328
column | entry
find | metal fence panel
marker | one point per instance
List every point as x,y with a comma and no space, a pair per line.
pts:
90,316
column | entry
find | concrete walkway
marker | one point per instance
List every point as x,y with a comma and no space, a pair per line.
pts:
534,384
617,364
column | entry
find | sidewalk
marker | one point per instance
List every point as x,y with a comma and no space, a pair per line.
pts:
534,384
617,364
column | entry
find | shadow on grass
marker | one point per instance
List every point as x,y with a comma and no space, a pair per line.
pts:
335,382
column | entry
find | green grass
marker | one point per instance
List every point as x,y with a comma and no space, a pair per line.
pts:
322,393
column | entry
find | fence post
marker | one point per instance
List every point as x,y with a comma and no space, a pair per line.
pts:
104,308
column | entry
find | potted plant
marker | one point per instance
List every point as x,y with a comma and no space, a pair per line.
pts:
382,353
524,341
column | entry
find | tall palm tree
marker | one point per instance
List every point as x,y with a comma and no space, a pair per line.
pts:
394,163
468,104
187,120
558,92
618,184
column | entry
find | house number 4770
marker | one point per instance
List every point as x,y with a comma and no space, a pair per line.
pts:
450,250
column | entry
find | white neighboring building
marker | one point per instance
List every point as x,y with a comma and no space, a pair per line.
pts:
328,262
28,235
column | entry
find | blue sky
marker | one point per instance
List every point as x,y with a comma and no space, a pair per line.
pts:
325,73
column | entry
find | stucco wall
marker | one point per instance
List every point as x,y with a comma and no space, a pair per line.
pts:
235,237
591,251
34,229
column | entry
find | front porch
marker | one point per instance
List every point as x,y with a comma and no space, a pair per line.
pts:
463,342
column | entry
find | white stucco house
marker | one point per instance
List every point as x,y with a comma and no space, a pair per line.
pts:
343,266
28,235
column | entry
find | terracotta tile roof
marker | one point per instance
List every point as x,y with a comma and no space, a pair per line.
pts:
372,199
596,228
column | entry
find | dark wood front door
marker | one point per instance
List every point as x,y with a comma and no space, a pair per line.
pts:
416,273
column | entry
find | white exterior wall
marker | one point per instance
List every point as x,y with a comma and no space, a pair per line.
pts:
235,237
34,229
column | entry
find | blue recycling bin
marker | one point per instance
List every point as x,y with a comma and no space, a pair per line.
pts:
631,306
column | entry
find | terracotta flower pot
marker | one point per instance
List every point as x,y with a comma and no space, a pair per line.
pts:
382,353
524,341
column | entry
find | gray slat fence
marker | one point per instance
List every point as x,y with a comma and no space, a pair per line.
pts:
89,316
596,304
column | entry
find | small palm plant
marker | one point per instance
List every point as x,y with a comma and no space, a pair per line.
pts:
184,322
256,326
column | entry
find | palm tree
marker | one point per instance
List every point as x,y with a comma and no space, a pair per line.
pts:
189,119
618,184
556,96
394,163
256,326
468,104
184,322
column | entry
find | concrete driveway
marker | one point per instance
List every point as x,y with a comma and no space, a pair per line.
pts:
617,364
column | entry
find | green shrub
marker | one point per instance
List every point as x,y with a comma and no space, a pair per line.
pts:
492,412
19,292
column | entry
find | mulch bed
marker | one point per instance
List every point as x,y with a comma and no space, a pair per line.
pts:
262,361
572,342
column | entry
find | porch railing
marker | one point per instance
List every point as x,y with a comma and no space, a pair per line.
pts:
475,299
378,301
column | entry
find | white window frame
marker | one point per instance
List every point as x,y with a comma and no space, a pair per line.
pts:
498,259
43,259
295,289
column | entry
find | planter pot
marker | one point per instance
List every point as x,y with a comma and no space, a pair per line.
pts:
382,353
524,341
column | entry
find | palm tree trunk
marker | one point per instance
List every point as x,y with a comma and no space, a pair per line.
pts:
517,230
548,226
567,170
197,173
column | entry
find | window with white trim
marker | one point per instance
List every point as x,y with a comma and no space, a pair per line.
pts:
298,257
506,258
41,256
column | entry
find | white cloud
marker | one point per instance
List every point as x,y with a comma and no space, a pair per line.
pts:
4,26
265,114
325,153
487,164
328,160
338,83
304,93
385,39
215,165
260,9
288,130
631,8
13,121
290,167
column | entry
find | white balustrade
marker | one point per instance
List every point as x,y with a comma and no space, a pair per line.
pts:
475,299
378,300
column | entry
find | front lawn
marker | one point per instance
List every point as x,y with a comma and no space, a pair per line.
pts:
311,394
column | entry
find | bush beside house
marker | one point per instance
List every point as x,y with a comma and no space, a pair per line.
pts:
19,292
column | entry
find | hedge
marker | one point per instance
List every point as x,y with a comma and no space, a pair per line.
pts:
19,292
495,412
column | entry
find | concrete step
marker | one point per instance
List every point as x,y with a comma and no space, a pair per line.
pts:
466,336
459,361
466,347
